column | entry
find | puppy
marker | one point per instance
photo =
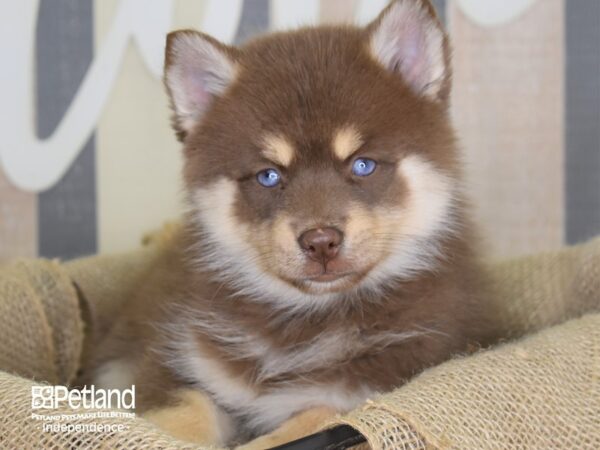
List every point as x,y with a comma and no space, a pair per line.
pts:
327,254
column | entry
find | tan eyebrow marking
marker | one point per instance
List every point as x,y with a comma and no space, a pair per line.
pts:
346,141
278,149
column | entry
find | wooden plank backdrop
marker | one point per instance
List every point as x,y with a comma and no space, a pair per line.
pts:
18,221
508,107
337,11
138,156
526,105
64,49
582,120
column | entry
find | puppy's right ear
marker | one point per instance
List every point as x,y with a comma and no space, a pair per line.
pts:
198,68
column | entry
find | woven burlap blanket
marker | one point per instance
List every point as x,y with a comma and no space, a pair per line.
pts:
540,389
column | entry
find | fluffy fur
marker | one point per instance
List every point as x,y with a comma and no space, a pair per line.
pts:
242,311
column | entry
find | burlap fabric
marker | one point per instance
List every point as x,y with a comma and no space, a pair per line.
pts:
540,391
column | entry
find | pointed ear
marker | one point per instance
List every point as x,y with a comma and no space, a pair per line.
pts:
198,68
408,39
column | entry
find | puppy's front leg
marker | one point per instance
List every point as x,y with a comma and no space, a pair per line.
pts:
301,425
193,417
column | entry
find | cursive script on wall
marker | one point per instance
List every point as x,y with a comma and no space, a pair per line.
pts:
34,164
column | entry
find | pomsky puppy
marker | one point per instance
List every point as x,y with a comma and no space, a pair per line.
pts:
327,254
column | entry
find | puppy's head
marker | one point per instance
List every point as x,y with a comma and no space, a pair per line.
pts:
318,161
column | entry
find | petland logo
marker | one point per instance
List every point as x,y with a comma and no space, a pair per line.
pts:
53,397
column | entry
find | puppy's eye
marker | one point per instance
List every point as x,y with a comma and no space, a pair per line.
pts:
268,178
363,167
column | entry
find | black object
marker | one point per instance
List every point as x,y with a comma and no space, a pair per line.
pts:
339,438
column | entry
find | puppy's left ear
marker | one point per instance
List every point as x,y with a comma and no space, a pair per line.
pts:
408,39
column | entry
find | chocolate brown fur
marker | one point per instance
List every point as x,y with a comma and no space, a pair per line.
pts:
375,333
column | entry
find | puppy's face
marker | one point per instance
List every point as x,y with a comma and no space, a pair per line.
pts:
318,161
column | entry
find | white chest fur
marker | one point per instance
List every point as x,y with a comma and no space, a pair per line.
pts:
264,410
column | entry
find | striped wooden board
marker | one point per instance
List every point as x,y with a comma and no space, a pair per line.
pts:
18,221
526,104
337,11
508,106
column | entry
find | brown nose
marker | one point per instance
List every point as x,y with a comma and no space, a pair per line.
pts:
321,244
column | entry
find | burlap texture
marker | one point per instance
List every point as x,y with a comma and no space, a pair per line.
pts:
41,330
541,391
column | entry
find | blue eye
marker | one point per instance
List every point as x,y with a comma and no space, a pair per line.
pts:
363,167
268,178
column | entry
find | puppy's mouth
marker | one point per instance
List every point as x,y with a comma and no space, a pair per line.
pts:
329,277
328,280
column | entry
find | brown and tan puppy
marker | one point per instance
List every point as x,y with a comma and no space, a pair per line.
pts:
327,253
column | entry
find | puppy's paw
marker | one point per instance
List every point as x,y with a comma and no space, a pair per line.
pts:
299,426
192,417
